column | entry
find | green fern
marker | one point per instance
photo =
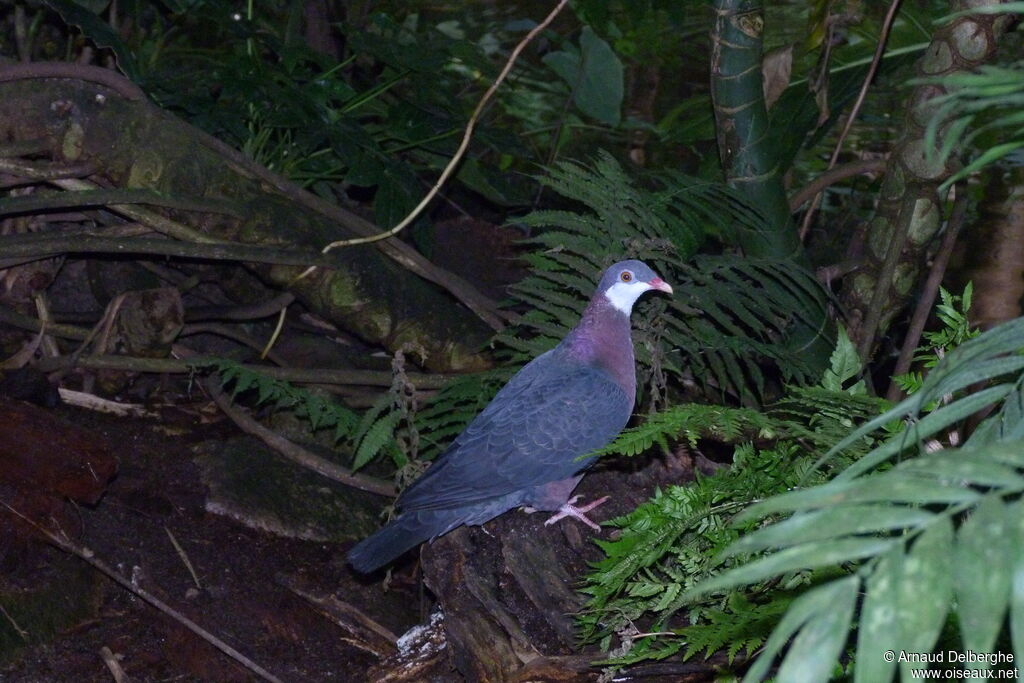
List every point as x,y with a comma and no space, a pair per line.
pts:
742,625
956,329
692,421
727,313
445,415
321,412
378,434
367,436
671,543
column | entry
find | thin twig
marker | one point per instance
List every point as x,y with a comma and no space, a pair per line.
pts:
930,290
113,665
460,151
26,353
105,323
184,558
46,170
234,333
150,218
366,633
26,322
47,343
883,39
97,196
67,545
833,176
262,309
296,453
17,629
81,399
277,333
21,148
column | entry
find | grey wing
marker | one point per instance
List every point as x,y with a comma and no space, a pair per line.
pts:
531,433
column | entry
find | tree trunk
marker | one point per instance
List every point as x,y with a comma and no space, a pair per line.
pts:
910,208
995,262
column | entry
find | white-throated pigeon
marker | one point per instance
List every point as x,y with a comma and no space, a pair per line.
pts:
522,449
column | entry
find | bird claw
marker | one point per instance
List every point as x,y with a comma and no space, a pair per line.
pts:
570,510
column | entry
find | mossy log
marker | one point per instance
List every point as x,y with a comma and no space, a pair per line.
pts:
132,144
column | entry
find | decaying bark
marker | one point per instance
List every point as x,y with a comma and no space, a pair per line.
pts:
910,209
131,144
507,594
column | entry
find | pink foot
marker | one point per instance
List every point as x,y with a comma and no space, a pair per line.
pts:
570,510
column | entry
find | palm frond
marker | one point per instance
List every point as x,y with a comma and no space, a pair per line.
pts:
936,534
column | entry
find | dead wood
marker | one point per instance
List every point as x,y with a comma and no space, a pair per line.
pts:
507,591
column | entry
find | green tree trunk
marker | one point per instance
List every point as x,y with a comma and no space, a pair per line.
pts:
751,162
741,121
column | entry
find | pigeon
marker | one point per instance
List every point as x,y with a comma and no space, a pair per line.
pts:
524,449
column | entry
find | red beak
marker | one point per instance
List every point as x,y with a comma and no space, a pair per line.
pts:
660,285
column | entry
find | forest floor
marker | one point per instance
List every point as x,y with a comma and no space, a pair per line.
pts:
242,574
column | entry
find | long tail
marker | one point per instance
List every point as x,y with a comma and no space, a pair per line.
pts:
406,531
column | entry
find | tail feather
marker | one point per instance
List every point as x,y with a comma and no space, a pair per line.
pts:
404,532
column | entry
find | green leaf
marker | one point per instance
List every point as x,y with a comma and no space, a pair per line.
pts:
815,650
806,556
1006,425
879,621
601,91
844,363
925,590
595,74
99,32
974,373
892,487
804,610
930,425
1016,514
376,437
964,465
948,375
982,575
829,523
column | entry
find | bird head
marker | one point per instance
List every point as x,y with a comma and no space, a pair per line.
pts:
624,282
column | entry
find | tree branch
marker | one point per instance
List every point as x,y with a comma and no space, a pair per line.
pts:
931,289
833,176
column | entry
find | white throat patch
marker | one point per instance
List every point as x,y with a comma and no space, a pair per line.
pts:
623,295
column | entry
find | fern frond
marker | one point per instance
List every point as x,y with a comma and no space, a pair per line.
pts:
727,313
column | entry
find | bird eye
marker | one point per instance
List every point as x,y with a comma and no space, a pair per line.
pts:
626,276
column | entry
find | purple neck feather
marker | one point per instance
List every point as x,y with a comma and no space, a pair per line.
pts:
602,338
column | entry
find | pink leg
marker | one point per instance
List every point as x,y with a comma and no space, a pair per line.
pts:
570,510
